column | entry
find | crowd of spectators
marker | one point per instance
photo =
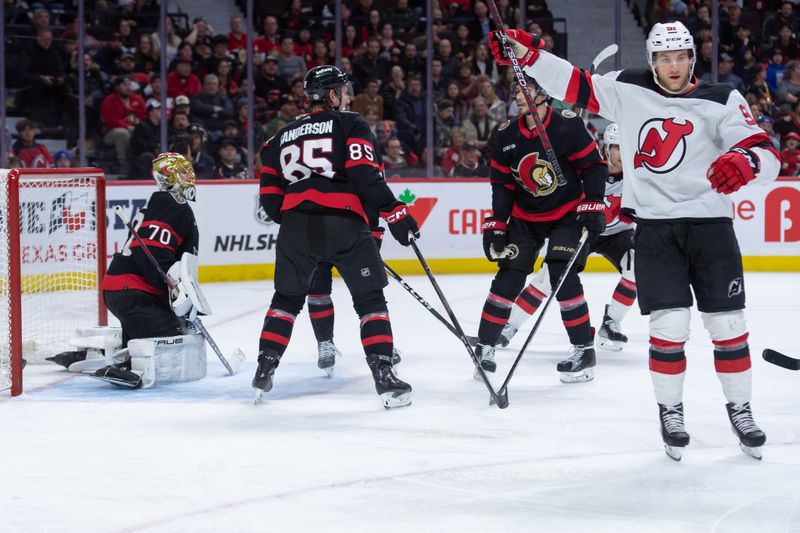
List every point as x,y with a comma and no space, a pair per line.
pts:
758,55
383,49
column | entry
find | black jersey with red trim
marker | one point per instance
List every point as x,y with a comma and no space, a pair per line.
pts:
524,182
169,229
324,161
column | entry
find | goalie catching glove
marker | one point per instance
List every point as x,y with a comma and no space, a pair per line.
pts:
402,225
733,169
187,298
525,45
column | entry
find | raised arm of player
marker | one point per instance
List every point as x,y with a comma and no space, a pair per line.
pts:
270,192
559,77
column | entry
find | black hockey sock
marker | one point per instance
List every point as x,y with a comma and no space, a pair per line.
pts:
320,309
495,315
575,315
277,330
376,334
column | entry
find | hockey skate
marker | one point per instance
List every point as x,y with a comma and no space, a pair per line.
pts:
506,335
672,430
396,359
485,355
610,336
751,438
267,363
393,391
328,353
579,366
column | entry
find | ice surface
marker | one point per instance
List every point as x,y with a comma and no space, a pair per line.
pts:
322,454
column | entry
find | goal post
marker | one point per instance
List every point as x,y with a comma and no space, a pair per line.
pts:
52,259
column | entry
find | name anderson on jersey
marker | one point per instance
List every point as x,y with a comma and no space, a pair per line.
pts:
313,128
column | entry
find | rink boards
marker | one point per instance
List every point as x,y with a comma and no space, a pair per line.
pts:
237,240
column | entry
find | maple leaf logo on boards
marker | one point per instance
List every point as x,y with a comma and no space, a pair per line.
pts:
420,208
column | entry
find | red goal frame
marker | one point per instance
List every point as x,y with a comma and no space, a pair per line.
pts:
14,251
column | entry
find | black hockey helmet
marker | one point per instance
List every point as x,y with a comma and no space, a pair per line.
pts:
319,80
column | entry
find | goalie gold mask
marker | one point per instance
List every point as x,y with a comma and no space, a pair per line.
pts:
174,173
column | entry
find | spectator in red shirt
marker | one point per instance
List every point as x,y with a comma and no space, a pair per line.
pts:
30,153
181,81
121,111
270,41
237,39
790,155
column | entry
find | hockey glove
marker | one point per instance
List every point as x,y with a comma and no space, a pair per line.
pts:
377,234
525,45
494,238
178,297
402,225
733,169
592,216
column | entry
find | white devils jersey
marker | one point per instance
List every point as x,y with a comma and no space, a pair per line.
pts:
613,199
667,143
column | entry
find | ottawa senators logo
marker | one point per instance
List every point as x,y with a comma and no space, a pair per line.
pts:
536,176
662,145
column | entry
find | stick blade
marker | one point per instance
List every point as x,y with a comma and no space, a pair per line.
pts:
236,360
604,54
781,360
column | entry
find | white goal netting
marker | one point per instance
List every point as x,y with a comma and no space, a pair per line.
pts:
50,264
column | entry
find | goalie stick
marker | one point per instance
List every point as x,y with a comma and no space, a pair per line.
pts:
472,340
503,391
494,397
238,357
781,360
523,84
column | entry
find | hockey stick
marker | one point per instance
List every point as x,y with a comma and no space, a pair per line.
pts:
601,56
781,360
425,304
238,356
503,391
523,83
501,402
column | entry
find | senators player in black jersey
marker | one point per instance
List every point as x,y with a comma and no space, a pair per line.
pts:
321,176
133,289
529,206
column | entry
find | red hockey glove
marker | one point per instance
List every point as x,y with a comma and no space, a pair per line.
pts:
402,225
733,169
377,234
526,47
592,216
494,238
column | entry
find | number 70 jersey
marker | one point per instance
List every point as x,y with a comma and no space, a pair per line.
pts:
328,159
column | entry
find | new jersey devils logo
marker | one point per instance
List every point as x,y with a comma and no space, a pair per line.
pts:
662,145
536,176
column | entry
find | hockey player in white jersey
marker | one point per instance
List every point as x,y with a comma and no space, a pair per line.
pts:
615,244
685,146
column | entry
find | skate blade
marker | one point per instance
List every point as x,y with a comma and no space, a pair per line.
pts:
476,375
329,371
609,345
752,451
259,395
392,400
577,377
674,452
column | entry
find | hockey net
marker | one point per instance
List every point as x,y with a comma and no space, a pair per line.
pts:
52,257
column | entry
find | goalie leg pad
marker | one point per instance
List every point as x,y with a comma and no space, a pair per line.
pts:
168,359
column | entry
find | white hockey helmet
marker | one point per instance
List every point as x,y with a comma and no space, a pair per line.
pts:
667,37
610,137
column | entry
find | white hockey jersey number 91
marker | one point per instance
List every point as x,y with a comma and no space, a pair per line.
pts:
299,162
